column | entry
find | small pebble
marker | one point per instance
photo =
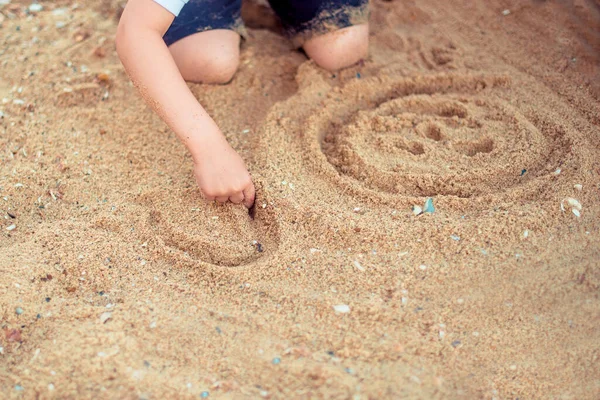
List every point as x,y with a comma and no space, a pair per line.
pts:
526,234
50,387
35,7
429,208
11,227
341,308
276,361
105,317
558,171
422,267
358,266
574,203
505,12
456,343
19,310
455,237
578,186
60,11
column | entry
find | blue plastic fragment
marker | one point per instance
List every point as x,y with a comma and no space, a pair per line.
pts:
204,394
18,387
455,237
276,360
358,75
429,208
19,310
523,171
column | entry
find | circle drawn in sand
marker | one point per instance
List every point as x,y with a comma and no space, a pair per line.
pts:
433,136
186,228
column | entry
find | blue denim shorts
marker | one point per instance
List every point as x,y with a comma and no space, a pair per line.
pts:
301,19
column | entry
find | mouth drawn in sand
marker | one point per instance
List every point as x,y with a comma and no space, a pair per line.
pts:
434,135
186,229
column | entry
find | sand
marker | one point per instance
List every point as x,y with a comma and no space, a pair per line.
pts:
117,281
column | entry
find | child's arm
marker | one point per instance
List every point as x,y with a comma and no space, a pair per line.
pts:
220,172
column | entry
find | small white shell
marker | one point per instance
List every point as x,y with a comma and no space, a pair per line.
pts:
574,203
417,210
342,308
105,317
571,203
358,266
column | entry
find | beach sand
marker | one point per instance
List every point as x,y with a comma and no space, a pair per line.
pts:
118,281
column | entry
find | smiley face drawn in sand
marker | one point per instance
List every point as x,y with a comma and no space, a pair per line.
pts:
430,135
427,145
186,229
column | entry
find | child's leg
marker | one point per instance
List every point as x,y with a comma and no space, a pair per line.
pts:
204,40
208,57
339,49
334,33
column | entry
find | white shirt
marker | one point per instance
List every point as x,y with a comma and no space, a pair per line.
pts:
173,6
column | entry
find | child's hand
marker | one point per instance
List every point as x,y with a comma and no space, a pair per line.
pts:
221,174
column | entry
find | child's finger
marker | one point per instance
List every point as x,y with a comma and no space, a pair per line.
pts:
222,199
249,194
207,197
237,198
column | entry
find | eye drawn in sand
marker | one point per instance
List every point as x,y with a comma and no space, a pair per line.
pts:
186,229
431,135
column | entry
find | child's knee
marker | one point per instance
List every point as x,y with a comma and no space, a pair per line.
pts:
339,49
208,57
219,69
